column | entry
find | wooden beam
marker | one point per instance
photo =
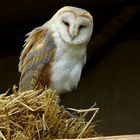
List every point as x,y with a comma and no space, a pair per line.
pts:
121,137
111,28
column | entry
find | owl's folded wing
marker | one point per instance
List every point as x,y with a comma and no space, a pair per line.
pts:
38,52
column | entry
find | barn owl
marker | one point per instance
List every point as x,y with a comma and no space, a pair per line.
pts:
55,53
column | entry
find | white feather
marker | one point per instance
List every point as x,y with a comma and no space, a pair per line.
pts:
66,71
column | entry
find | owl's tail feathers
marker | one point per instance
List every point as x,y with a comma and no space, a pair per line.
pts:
25,82
30,80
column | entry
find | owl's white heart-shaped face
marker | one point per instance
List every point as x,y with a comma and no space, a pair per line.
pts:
74,25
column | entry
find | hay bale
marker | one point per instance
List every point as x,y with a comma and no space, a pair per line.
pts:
36,115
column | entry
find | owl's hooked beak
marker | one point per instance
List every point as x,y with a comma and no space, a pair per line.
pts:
72,36
73,32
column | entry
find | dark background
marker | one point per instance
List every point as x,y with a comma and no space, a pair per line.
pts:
111,77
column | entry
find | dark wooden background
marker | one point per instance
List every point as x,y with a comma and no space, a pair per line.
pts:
111,77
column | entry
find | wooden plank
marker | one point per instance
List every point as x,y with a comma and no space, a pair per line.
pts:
121,137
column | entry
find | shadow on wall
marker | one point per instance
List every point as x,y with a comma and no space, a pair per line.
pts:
8,72
114,84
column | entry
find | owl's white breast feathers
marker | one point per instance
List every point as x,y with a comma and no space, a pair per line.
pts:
69,61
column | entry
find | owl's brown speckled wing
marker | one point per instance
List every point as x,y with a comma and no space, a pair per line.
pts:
36,59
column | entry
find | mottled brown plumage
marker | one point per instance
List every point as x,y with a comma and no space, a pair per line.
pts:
34,61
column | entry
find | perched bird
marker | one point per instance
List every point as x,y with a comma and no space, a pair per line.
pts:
55,53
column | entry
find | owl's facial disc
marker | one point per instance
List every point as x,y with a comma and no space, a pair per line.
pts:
74,29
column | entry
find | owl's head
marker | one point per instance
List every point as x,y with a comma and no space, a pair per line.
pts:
74,25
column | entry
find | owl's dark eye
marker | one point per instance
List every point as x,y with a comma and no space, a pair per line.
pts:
81,27
66,23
